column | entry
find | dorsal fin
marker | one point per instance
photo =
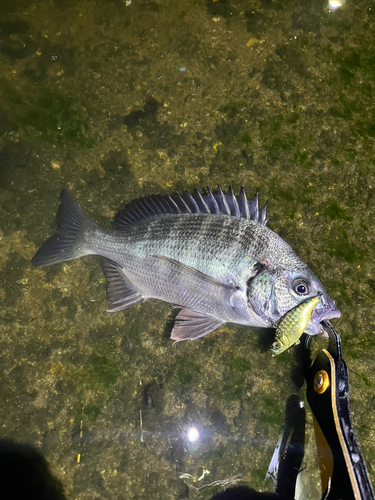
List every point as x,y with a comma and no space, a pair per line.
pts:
232,202
211,202
193,203
222,201
243,204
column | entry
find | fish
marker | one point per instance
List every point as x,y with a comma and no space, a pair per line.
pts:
212,255
292,325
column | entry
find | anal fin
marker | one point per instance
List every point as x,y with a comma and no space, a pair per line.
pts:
120,291
190,325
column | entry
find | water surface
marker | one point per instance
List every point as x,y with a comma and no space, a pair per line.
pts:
117,100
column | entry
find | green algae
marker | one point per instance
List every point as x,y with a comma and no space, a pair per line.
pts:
300,157
233,108
292,118
57,117
285,142
285,195
186,371
239,363
343,248
100,371
92,412
334,211
345,109
340,289
233,389
272,413
349,64
354,61
363,377
246,139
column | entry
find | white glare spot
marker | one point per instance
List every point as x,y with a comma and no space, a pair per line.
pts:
301,404
193,434
335,4
355,457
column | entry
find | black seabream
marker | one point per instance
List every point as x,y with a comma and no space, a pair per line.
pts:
212,254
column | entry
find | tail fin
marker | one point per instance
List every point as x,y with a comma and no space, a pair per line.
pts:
68,243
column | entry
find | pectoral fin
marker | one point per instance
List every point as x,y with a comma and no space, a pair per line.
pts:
190,325
192,278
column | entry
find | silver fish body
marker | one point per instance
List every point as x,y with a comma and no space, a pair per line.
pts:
213,255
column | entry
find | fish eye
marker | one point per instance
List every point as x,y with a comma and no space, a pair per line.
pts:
300,287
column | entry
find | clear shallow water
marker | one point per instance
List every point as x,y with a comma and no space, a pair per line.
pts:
116,101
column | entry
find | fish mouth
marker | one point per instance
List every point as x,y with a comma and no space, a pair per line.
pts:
319,314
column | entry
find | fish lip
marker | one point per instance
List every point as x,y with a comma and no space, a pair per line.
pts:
327,314
314,327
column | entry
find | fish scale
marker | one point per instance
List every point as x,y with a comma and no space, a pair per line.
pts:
211,254
211,244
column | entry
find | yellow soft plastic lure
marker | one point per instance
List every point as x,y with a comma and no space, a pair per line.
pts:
293,324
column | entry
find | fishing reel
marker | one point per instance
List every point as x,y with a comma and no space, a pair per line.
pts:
342,469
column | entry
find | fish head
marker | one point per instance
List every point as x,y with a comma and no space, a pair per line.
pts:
293,287
275,292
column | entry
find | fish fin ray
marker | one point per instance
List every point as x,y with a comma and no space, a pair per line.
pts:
232,202
222,201
262,219
190,202
243,204
68,243
120,292
254,208
181,203
191,325
144,208
203,207
193,203
194,275
211,201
